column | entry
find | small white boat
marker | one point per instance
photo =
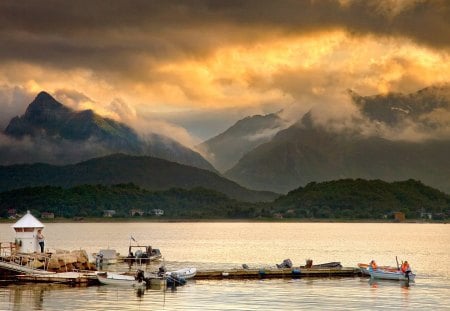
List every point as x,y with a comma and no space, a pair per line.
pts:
106,257
391,275
119,279
186,273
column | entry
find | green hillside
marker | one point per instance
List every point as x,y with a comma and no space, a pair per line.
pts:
93,200
147,172
363,199
338,200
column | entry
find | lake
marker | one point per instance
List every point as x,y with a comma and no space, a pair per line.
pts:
229,245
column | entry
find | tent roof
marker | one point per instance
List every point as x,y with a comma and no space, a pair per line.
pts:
28,221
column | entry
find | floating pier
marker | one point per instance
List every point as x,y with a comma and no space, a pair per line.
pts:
71,278
277,273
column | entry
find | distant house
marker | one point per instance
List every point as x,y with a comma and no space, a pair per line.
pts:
12,213
136,212
426,215
399,216
278,216
48,215
157,212
109,213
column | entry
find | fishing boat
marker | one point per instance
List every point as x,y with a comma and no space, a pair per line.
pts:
142,254
365,268
391,275
186,273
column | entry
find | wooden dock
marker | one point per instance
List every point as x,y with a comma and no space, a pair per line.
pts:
70,278
277,273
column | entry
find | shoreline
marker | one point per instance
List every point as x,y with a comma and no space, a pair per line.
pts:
225,220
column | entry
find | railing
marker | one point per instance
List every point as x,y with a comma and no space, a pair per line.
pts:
7,248
22,262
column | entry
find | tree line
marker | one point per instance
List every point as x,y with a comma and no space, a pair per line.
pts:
341,199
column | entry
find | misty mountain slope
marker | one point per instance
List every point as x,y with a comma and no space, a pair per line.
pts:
51,132
148,172
227,148
307,152
299,156
395,108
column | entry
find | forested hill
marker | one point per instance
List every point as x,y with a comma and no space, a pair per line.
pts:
147,172
358,199
342,199
93,200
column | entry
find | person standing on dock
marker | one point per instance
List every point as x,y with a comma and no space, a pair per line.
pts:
40,239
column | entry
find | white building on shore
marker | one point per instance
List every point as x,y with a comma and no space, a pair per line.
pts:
26,229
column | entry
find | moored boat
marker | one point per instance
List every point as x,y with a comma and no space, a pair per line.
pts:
106,257
119,279
142,254
186,273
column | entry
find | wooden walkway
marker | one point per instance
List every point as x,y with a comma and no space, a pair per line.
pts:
277,273
72,278
20,267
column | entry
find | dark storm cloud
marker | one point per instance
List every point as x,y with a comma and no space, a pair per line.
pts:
124,35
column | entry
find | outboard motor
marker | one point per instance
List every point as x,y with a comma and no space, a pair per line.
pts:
287,263
99,260
140,276
138,253
161,271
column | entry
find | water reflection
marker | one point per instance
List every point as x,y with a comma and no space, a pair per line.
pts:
403,284
30,296
214,246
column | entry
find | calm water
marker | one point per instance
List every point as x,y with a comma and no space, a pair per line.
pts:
229,245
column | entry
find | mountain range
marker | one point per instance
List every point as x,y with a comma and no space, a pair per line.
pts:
147,172
408,138
225,149
307,151
53,131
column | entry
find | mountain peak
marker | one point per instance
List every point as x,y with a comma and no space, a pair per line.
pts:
44,101
43,95
72,132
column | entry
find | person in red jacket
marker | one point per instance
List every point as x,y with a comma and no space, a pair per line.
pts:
406,269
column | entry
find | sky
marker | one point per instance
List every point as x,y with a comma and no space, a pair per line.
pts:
190,69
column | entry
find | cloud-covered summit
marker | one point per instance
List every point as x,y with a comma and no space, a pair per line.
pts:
162,57
50,132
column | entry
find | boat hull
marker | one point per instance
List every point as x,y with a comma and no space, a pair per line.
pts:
186,273
365,269
119,280
389,275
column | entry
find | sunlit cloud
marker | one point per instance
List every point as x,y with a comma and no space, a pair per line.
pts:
139,64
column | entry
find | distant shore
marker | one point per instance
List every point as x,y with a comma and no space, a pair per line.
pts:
263,220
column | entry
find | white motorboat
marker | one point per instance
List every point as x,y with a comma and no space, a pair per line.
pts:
106,257
186,273
118,279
